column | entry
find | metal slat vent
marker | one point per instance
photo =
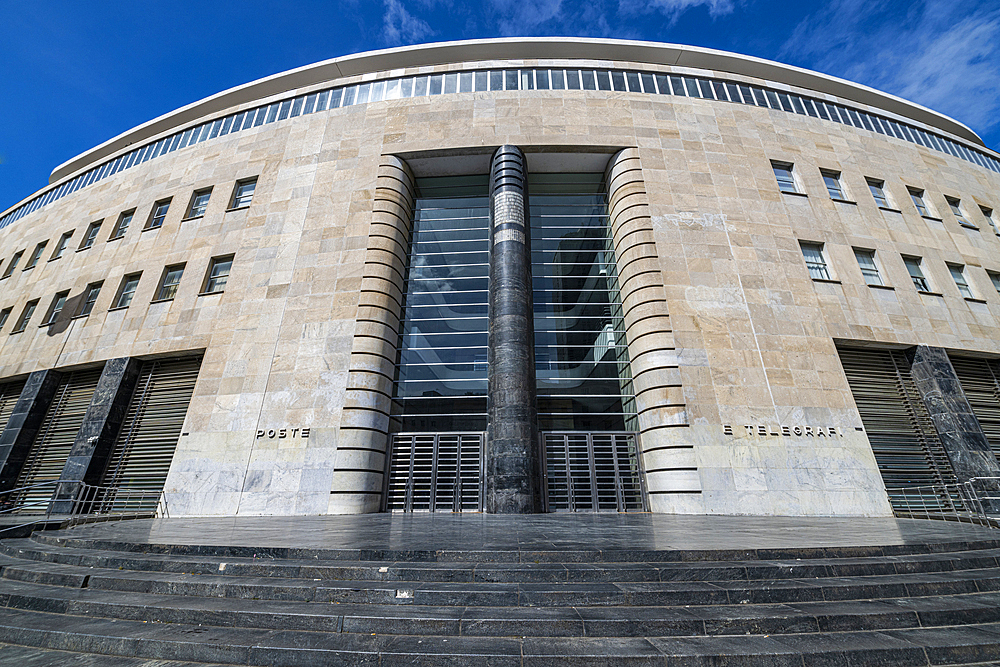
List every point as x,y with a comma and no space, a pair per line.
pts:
592,472
56,435
436,472
980,380
9,393
902,435
148,437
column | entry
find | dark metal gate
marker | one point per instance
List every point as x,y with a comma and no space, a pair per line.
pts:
435,472
592,472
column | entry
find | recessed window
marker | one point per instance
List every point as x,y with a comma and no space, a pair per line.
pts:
956,208
4,316
815,261
124,220
61,246
918,200
168,284
12,264
995,279
869,269
833,186
91,236
877,188
988,214
958,274
243,192
218,274
90,298
199,202
158,214
783,172
36,255
22,322
916,273
56,307
127,290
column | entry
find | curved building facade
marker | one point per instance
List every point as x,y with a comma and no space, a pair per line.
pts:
511,276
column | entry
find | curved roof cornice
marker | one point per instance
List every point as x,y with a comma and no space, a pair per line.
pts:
517,48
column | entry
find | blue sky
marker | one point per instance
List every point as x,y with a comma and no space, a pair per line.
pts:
75,74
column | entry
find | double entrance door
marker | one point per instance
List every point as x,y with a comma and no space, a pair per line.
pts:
583,472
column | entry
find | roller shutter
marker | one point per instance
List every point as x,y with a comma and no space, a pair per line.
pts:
148,437
902,435
980,380
55,438
9,393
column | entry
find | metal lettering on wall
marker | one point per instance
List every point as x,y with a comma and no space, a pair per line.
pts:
508,217
283,433
766,430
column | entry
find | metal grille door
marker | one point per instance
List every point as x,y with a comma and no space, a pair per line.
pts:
980,380
9,393
435,472
145,445
592,472
55,438
902,435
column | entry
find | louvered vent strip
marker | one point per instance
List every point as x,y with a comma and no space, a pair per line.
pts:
980,380
9,393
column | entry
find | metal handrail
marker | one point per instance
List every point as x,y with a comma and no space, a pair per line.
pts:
974,501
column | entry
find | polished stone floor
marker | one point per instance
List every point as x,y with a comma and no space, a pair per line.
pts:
539,532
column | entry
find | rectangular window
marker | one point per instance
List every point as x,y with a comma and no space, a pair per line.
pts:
815,261
127,290
12,264
958,274
918,200
832,181
4,316
58,303
61,246
124,220
199,202
158,214
783,172
218,274
36,254
243,193
22,322
956,208
916,273
994,278
877,189
168,284
90,298
869,269
988,214
91,235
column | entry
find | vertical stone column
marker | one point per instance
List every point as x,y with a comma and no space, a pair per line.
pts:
956,424
89,455
24,422
513,484
363,438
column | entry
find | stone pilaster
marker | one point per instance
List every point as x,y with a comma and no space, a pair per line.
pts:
24,422
513,484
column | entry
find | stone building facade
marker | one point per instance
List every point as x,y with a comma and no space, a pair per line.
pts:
798,288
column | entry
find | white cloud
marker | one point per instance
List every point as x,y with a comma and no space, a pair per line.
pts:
523,17
938,53
672,9
402,27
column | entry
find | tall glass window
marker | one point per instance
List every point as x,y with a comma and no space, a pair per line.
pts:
441,369
584,380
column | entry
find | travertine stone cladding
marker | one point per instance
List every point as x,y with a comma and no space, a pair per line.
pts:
753,334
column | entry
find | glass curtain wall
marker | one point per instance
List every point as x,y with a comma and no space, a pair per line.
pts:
441,370
582,366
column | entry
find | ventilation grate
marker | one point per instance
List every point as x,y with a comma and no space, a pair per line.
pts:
592,472
436,472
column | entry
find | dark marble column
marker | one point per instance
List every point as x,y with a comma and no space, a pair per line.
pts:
89,455
24,422
957,426
512,462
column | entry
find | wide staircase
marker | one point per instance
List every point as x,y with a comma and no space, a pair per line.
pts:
76,600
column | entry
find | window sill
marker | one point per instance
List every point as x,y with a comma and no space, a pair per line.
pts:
111,310
844,201
116,238
827,280
26,269
972,299
238,208
891,210
55,258
929,293
82,249
149,229
885,287
931,217
80,317
193,217
968,226
45,324
161,300
14,333
222,291
794,194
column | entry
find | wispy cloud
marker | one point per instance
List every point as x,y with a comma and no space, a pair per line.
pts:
672,9
939,53
399,26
